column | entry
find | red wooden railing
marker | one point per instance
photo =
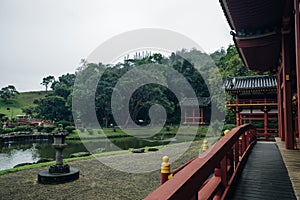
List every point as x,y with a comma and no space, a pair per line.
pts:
255,101
210,175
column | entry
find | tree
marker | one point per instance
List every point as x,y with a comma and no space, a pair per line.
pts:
8,92
53,108
63,87
30,111
58,104
47,80
229,63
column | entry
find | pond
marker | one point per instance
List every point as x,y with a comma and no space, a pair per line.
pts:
14,153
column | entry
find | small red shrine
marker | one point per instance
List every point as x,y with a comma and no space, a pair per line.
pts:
195,110
255,102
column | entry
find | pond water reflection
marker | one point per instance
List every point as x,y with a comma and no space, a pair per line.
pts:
15,153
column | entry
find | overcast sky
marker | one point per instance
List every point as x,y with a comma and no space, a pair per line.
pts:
41,38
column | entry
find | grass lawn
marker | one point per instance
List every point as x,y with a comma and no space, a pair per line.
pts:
19,101
117,132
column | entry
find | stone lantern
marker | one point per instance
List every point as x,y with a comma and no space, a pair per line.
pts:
60,172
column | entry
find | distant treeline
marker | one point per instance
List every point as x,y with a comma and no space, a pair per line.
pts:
193,65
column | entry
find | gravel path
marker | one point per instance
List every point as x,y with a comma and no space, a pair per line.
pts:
97,181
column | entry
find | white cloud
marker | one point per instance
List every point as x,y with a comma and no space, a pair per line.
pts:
39,38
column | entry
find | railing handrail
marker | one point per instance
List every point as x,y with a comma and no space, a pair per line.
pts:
248,101
188,181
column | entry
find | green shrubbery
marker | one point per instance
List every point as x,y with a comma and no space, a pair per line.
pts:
48,129
168,128
70,129
90,131
63,123
228,127
45,129
16,129
39,128
6,130
23,129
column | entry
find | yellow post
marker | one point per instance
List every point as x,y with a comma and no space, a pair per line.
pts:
165,169
204,145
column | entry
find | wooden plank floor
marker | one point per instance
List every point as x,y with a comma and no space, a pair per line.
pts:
291,158
264,175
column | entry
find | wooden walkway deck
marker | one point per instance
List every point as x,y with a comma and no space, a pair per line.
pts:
291,158
264,175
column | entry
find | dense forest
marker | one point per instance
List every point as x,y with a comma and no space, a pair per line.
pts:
193,65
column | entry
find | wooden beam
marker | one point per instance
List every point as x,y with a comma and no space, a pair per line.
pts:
280,126
287,91
297,47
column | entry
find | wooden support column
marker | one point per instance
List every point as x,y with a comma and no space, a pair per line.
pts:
237,113
297,47
287,91
193,115
266,123
279,106
201,115
185,115
237,116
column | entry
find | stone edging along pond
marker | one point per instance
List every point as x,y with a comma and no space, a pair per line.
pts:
24,136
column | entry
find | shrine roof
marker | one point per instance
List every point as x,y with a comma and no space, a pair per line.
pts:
201,101
256,29
261,82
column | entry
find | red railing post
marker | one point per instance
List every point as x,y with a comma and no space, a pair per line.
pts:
247,134
165,169
193,178
230,162
223,167
243,143
221,171
236,153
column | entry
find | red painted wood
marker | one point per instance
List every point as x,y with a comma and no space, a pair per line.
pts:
236,153
183,166
188,181
210,189
264,116
243,143
164,178
287,92
297,47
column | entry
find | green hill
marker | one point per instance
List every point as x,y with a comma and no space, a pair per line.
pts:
15,104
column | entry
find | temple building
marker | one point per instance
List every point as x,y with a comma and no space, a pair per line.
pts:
267,36
254,100
196,111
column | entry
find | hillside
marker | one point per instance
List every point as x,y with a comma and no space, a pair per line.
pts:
16,103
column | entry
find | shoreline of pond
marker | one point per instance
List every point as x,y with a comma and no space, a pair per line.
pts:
28,136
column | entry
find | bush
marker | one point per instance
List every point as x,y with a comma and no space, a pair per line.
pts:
228,126
39,128
5,130
70,129
168,128
90,131
81,129
48,129
23,129
63,123
202,130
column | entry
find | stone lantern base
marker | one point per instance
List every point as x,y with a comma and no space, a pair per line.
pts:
59,169
60,172
45,177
